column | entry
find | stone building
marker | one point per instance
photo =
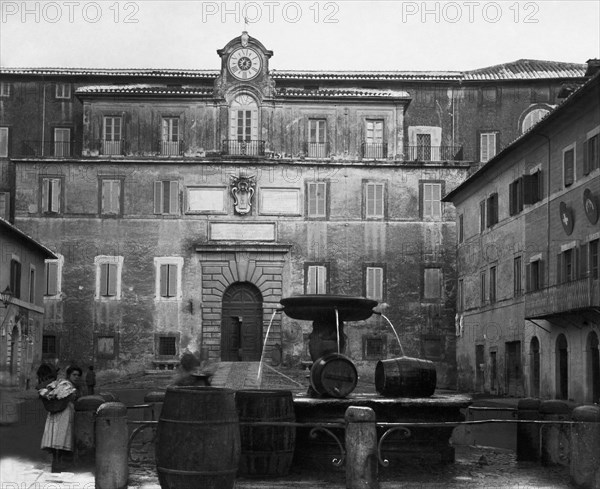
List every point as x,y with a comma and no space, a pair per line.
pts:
528,234
185,204
22,278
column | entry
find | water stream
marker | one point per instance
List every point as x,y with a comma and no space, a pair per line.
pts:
262,355
337,325
395,332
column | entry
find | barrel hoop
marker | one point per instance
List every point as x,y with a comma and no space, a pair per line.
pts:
196,472
265,452
210,422
248,419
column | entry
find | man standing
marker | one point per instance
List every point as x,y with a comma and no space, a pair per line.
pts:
90,380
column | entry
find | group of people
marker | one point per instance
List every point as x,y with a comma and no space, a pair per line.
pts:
60,395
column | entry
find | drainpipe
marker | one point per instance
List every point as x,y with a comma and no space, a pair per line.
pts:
43,116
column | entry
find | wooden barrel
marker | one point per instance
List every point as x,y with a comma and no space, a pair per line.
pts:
267,451
333,375
405,377
198,440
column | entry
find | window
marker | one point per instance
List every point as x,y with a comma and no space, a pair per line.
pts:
167,346
5,205
432,347
515,195
374,348
3,142
168,278
62,142
461,295
166,197
170,136
569,166
106,346
32,284
316,200
487,146
461,228
534,275
492,210
63,90
15,278
424,147
108,277
517,276
111,197
317,138
243,127
374,283
5,89
316,279
112,136
432,283
374,200
593,260
49,345
591,154
566,265
483,287
532,187
482,219
432,200
53,276
533,118
374,146
492,285
51,195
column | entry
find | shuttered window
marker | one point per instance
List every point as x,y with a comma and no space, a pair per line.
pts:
487,145
316,279
15,278
569,167
168,277
593,258
517,276
316,199
52,271
493,279
3,142
32,285
492,210
166,197
108,279
51,195
432,283
374,283
374,197
591,154
5,205
482,219
111,197
432,200
168,280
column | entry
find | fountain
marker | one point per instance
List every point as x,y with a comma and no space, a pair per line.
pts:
405,389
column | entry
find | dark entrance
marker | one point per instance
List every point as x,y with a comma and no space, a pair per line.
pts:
479,366
493,372
534,366
241,323
594,367
562,368
513,368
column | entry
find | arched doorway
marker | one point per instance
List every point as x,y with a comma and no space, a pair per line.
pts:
562,368
593,367
241,323
534,367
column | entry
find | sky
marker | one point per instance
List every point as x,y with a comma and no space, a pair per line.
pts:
304,35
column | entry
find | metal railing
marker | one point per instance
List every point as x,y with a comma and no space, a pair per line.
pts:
56,149
170,148
570,296
433,153
316,150
251,147
374,151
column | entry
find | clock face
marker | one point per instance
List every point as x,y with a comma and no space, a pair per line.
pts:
244,63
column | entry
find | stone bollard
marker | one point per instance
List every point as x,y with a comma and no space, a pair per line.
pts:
555,438
84,428
361,448
528,434
112,437
585,447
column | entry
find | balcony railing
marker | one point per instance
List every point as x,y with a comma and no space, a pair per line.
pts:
563,298
170,148
252,147
434,153
374,151
316,150
57,149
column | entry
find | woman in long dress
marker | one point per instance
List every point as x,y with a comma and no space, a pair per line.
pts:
58,433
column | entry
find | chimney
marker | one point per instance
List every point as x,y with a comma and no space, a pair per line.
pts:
593,66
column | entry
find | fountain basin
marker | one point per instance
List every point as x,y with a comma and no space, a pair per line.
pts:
316,307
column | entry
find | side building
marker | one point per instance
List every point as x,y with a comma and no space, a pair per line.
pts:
22,279
528,294
185,204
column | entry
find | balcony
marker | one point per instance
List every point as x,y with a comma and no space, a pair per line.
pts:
55,149
316,150
568,298
251,147
170,148
374,151
433,153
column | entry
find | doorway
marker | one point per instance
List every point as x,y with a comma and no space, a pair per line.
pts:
513,368
593,367
534,367
241,323
562,368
